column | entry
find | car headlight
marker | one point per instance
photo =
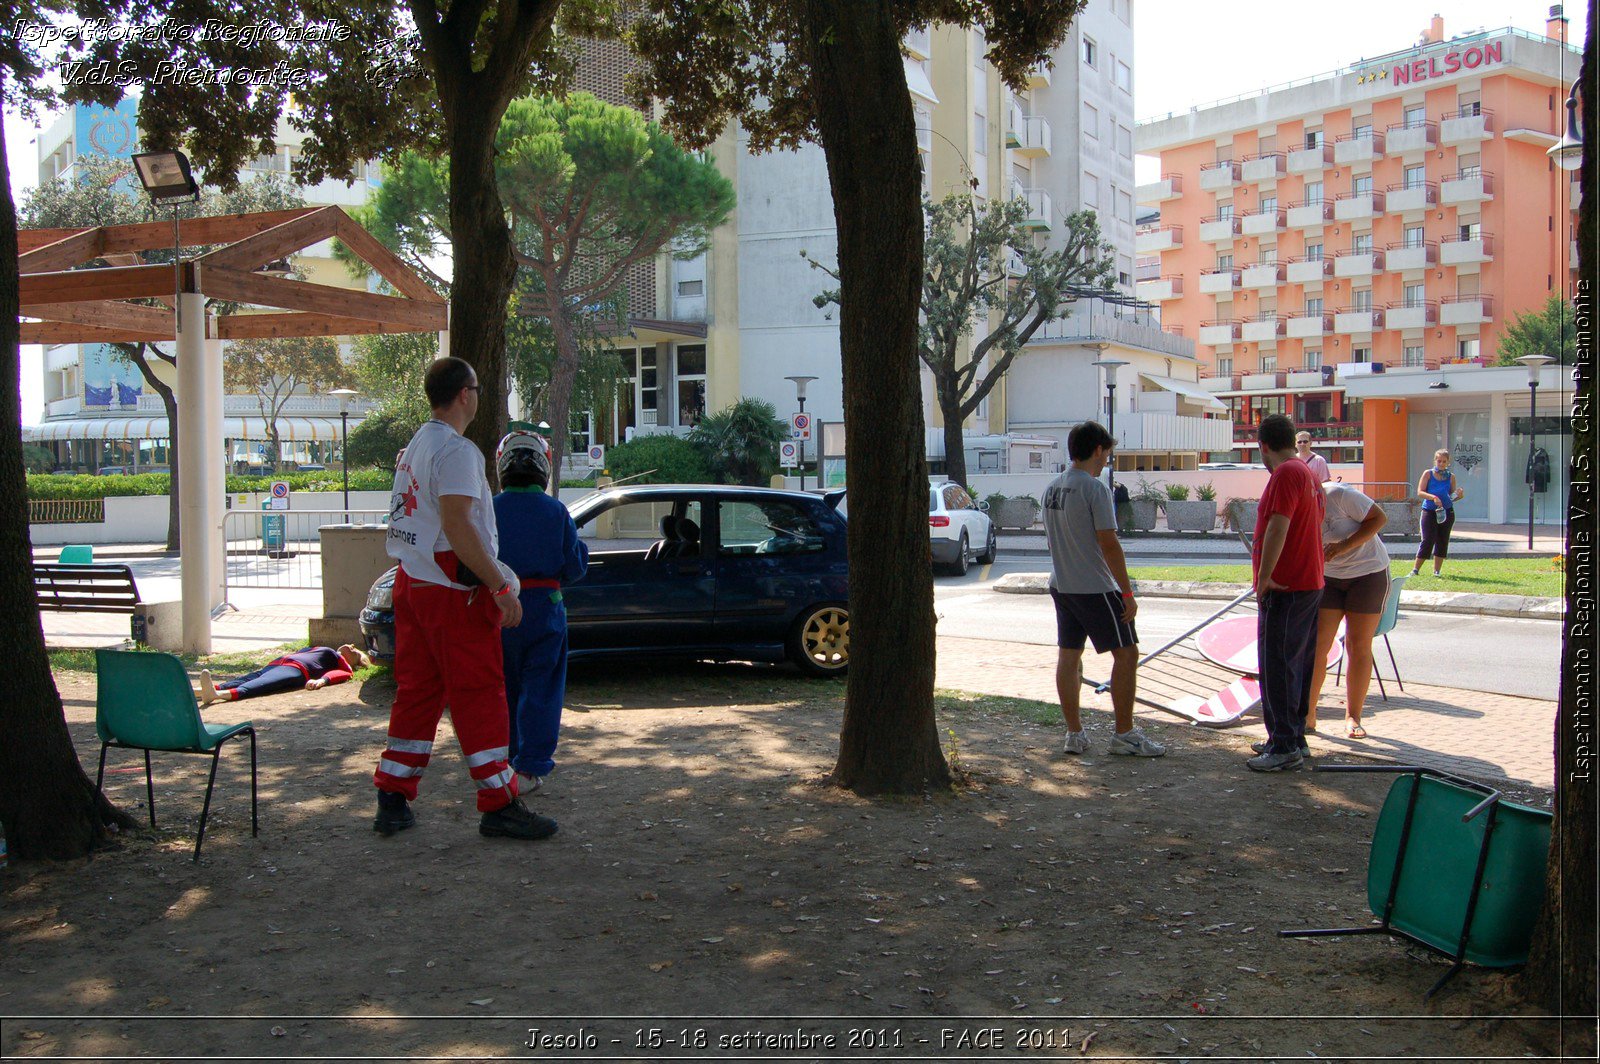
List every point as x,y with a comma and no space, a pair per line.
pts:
381,597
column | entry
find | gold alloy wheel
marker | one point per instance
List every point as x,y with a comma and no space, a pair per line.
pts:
825,638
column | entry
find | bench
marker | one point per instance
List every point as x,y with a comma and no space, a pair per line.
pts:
85,588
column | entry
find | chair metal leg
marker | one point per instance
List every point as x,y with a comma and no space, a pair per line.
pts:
255,827
149,789
1381,689
99,777
205,810
1392,662
1338,671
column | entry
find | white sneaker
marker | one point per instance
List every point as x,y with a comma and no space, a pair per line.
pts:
1135,744
529,784
1077,743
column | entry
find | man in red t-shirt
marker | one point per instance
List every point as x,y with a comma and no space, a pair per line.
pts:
1287,563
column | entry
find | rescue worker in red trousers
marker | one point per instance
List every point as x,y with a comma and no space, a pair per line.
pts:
540,544
451,598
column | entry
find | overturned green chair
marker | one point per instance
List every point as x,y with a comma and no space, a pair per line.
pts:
143,701
76,554
1454,867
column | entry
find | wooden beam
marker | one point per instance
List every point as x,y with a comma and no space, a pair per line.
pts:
72,250
89,286
148,236
253,288
109,315
263,247
251,326
388,265
62,332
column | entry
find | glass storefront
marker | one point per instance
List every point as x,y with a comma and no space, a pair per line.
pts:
1553,435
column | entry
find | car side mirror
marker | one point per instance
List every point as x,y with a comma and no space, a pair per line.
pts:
983,506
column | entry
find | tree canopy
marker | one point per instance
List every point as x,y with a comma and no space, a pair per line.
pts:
1550,330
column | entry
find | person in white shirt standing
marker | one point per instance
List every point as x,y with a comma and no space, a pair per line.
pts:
451,598
1318,464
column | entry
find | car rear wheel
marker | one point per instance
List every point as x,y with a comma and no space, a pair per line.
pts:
820,642
989,549
962,562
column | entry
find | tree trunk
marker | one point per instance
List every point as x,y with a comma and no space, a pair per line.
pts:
48,807
890,741
138,355
480,289
955,449
558,395
1560,975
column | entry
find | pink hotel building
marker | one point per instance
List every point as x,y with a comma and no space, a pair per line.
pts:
1348,249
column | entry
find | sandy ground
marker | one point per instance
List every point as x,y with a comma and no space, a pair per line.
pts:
708,891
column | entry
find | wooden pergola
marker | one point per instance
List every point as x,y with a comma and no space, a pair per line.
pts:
69,303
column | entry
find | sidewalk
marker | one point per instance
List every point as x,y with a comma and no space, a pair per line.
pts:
254,628
1467,541
1494,738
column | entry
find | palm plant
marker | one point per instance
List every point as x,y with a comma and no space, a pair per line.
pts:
740,443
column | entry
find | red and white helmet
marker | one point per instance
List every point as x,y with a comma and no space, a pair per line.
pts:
524,453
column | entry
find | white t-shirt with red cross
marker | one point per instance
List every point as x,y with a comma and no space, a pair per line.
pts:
438,461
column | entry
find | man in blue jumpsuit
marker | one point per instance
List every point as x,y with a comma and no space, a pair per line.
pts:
540,543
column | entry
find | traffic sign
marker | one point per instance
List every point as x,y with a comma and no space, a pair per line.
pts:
788,454
800,426
279,495
597,454
1231,643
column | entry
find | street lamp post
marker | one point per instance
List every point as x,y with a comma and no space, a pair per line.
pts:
345,395
1111,365
1534,363
800,383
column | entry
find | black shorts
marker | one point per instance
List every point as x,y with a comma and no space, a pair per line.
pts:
1357,594
1095,617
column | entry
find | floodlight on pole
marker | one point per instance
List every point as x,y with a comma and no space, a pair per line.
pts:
166,177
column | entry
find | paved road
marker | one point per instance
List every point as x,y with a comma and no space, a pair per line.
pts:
1497,655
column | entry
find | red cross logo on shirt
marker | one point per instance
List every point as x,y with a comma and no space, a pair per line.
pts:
409,500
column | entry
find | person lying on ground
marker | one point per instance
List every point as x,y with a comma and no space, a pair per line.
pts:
304,670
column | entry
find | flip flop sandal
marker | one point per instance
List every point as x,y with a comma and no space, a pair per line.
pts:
1356,732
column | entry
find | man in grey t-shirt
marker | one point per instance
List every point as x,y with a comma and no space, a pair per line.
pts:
1091,590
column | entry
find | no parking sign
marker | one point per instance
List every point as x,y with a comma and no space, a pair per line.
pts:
279,499
788,454
800,426
597,455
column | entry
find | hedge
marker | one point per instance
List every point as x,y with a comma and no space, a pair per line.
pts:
56,486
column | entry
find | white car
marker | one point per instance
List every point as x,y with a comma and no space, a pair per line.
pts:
959,528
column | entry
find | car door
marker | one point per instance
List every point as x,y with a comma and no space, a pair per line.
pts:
633,596
775,556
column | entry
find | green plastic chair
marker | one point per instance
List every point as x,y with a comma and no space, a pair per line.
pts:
1386,623
143,701
76,554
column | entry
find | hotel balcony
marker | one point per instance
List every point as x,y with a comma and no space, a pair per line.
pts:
1468,186
1404,139
919,43
1306,326
1357,148
1261,275
1261,382
1040,210
1574,253
1402,198
1465,127
1354,263
1310,160
1220,384
1218,282
1309,215
1224,331
72,404
1357,206
1029,134
1159,289
1466,310
1267,166
1216,229
1170,187
1219,176
1576,198
1309,271
1410,315
1161,238
1357,321
1262,328
1262,222
1403,256
1460,252
1039,76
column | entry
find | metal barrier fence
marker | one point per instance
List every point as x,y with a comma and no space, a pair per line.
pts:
66,511
282,548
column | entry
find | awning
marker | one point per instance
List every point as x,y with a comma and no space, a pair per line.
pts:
1188,389
290,428
917,81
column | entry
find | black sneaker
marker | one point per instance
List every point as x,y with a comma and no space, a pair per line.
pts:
1261,748
516,821
394,813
